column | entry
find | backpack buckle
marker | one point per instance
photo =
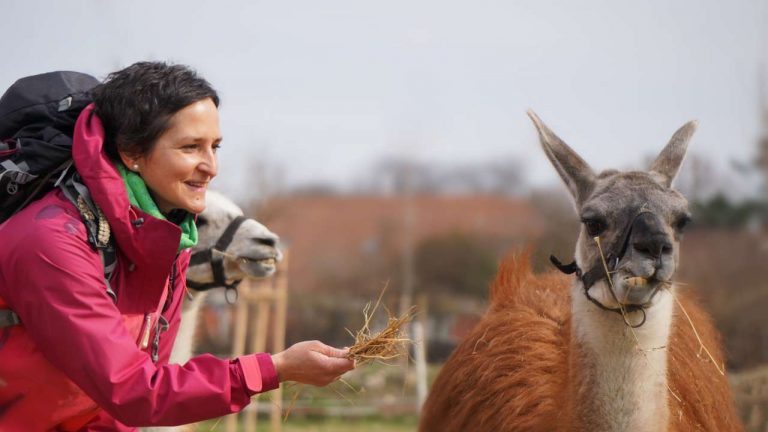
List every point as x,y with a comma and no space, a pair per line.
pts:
65,103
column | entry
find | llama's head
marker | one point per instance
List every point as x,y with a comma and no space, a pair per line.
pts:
230,244
633,219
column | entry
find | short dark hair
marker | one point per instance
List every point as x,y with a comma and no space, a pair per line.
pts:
136,104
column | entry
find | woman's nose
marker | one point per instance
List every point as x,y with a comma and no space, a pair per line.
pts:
208,164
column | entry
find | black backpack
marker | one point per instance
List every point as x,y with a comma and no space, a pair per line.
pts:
37,121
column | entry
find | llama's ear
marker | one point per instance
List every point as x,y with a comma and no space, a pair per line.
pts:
667,164
576,173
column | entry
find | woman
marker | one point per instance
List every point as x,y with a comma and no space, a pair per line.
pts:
146,150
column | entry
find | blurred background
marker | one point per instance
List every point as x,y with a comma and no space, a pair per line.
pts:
387,144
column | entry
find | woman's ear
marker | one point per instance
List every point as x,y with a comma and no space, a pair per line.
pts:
132,162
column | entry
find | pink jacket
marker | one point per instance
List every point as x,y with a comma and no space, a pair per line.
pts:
76,362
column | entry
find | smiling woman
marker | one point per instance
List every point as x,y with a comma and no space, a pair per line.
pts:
92,354
171,136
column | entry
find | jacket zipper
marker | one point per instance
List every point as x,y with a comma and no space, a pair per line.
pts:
162,324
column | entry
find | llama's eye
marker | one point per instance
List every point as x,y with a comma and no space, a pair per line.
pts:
594,226
201,221
682,222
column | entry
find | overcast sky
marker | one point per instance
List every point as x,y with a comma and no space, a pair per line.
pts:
323,88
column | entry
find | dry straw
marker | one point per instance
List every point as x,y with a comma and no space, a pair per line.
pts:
388,344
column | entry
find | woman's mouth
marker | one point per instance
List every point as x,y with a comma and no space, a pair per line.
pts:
196,186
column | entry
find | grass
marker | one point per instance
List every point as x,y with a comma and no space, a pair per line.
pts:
399,424
373,404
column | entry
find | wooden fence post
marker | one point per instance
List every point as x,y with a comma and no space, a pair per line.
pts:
238,336
278,337
266,295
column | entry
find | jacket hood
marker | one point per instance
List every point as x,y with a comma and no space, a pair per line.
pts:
142,239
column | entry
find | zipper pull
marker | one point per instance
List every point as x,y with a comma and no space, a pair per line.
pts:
161,327
145,336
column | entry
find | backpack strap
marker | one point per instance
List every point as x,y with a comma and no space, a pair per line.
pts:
96,225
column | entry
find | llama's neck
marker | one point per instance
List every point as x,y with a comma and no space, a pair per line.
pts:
615,385
185,337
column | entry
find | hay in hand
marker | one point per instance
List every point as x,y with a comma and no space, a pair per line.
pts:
388,344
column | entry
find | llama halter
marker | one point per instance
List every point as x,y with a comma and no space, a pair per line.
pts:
217,261
602,271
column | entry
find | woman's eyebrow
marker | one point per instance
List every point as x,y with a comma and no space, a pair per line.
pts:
197,139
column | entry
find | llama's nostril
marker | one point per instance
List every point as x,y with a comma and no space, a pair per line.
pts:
641,247
653,249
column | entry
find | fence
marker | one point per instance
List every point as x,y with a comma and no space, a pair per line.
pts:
269,298
750,390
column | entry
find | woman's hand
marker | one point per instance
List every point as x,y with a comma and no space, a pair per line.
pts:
312,362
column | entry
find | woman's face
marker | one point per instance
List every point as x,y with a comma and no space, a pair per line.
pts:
183,160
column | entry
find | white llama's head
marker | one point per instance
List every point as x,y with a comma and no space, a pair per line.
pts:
241,246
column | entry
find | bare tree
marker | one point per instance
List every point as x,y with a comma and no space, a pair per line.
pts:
504,176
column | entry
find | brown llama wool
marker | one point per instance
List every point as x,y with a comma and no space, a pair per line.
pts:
617,346
512,372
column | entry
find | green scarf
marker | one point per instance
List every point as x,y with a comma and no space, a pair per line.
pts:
138,195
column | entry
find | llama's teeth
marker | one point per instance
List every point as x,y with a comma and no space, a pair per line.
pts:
636,282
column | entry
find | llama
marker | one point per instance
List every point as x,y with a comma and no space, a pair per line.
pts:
240,247
594,352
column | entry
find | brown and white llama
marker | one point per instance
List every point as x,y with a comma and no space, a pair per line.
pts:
610,349
230,248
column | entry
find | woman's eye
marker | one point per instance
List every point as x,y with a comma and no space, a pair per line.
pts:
594,227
